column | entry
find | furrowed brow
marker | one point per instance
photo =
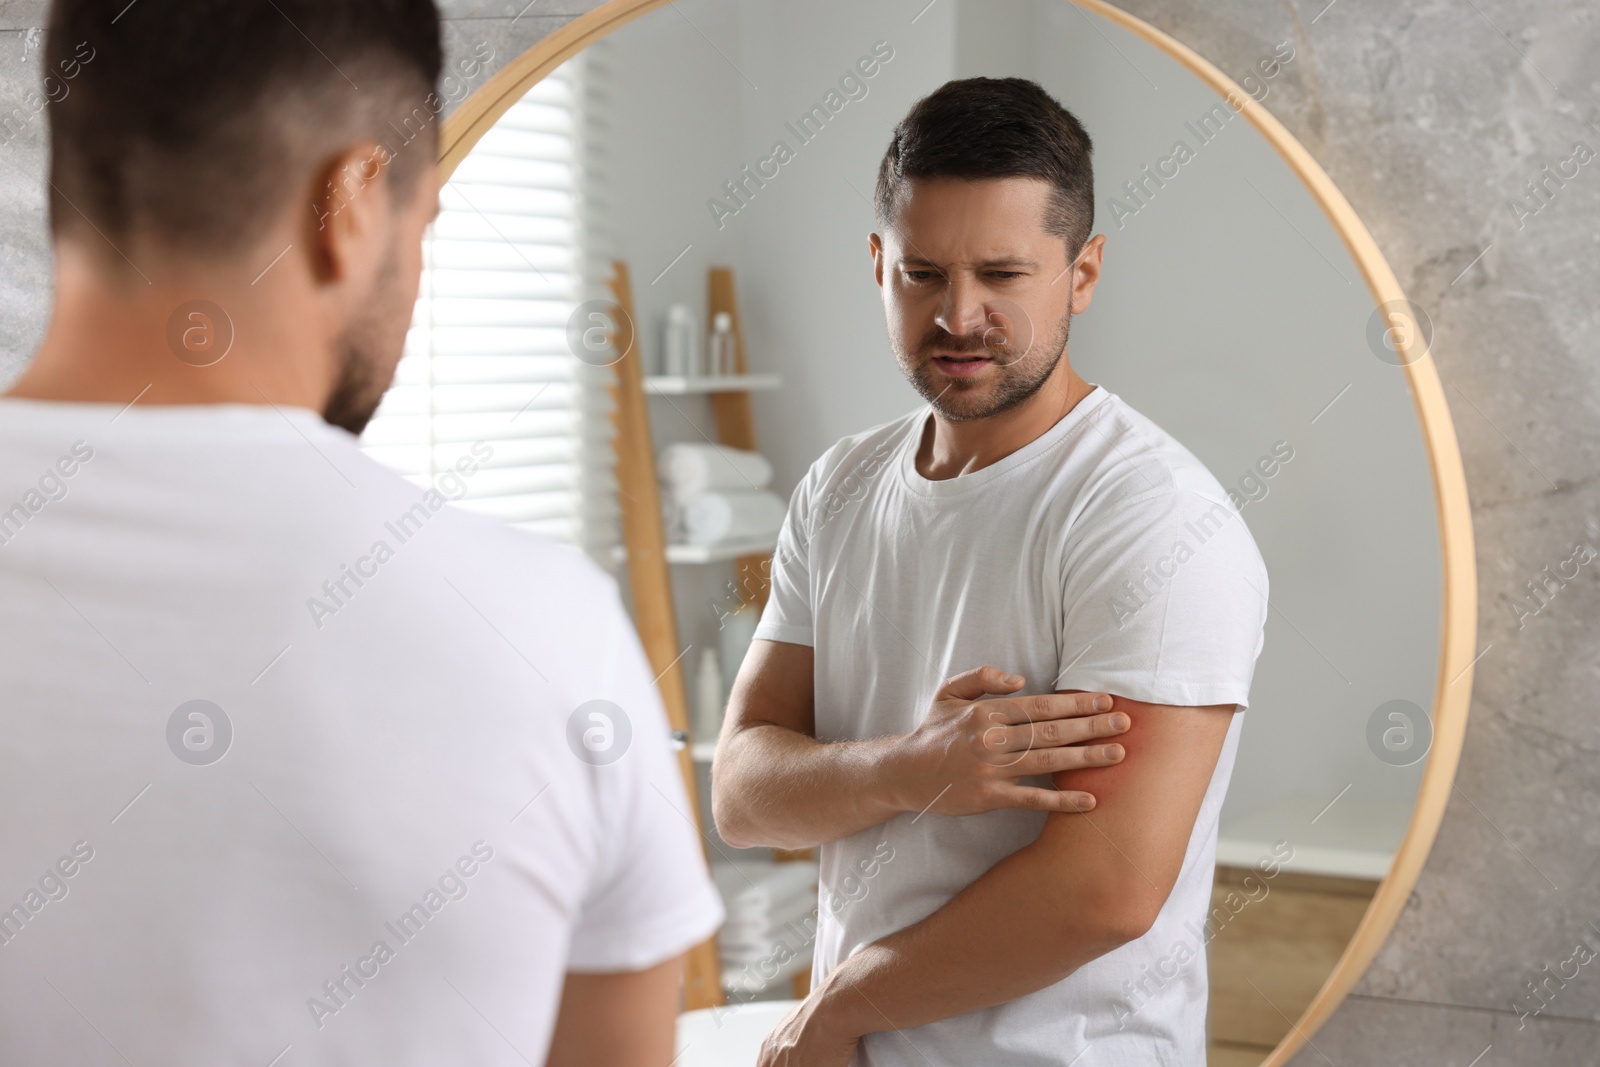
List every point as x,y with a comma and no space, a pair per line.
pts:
1002,262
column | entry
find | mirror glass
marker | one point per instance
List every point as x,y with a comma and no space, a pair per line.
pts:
747,135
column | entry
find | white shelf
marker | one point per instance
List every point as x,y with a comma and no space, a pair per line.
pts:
721,550
713,553
684,385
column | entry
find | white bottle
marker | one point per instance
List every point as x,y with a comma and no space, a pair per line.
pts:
708,698
678,347
719,354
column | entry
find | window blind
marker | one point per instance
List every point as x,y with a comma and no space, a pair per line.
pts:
518,245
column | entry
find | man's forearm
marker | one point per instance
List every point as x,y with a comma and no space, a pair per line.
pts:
776,787
1010,933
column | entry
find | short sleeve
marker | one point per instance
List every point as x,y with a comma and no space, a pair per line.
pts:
787,616
1164,600
650,896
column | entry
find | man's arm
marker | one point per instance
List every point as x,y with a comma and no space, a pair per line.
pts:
770,731
625,1019
1088,884
774,784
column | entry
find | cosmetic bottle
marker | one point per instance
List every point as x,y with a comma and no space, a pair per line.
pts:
719,352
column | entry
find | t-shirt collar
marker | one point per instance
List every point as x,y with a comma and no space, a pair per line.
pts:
1065,429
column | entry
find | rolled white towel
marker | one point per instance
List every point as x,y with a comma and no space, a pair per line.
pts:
753,890
757,936
689,468
672,518
795,937
732,515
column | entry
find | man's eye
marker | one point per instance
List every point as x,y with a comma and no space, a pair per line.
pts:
919,275
1005,275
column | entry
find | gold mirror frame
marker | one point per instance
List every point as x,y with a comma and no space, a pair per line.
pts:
1458,630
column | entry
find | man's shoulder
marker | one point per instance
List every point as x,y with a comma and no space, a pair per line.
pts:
491,549
512,550
1145,486
516,578
864,453
1134,463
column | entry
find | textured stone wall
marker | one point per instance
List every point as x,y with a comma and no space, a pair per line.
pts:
1433,119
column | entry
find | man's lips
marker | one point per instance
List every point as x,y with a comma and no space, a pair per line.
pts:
961,364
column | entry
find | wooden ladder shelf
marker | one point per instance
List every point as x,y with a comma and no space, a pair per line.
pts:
644,538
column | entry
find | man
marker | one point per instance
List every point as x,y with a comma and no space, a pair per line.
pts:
1023,521
300,765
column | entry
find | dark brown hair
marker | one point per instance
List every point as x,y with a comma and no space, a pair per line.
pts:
190,121
994,128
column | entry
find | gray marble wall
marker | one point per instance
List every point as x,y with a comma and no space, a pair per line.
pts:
1433,119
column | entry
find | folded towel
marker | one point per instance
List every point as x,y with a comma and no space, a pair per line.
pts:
751,891
749,979
797,937
672,519
768,905
732,514
690,468
787,908
754,939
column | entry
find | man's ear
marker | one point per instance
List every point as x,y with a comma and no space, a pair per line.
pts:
1087,275
350,205
875,248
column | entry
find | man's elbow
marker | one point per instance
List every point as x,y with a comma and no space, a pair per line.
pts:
730,808
725,812
1132,920
730,820
738,821
1118,918
1083,938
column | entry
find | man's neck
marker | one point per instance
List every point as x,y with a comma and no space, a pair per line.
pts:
114,343
953,448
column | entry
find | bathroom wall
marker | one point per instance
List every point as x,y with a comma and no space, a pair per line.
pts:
1432,119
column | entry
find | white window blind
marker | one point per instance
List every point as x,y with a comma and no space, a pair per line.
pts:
518,245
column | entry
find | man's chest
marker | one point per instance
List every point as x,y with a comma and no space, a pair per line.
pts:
905,597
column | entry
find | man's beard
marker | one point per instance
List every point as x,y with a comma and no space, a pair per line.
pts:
361,382
1019,370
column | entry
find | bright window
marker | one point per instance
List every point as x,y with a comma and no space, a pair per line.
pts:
516,248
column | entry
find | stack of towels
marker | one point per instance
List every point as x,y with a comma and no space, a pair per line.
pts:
715,493
771,923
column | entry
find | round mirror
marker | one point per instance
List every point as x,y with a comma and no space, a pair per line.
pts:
1243,308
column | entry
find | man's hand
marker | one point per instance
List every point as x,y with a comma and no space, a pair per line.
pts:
807,1038
966,755
774,784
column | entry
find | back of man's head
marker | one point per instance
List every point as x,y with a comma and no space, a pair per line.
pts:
190,122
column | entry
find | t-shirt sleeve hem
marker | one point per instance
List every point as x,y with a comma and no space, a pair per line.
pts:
1189,695
640,947
777,631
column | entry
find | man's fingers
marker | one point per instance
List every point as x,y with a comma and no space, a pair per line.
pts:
1037,799
970,685
1068,758
1042,707
1053,733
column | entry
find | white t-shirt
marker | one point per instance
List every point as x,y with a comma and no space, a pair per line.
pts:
406,840
1101,556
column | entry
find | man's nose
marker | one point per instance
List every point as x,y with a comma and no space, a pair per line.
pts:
961,311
